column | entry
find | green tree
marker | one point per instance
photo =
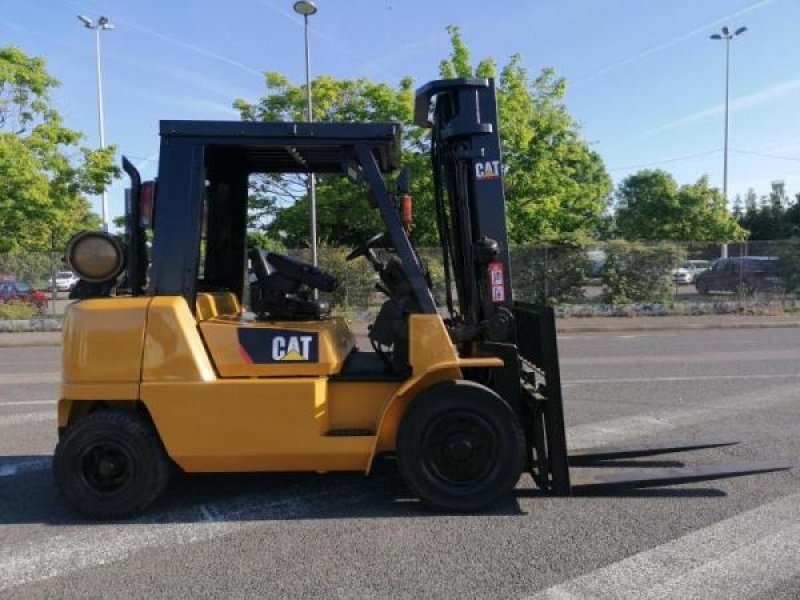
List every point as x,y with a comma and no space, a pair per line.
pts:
279,203
651,206
556,186
45,173
775,217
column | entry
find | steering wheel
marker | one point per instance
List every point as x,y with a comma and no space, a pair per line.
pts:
376,241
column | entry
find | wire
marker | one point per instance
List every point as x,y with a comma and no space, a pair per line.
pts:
792,158
665,161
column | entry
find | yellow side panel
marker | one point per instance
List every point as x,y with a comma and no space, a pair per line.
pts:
173,350
223,338
103,340
358,404
100,391
251,425
429,343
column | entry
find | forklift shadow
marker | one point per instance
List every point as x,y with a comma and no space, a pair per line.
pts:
28,495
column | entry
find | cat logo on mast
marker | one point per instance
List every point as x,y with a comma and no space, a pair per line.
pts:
489,169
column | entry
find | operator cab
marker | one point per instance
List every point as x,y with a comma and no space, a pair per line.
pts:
204,172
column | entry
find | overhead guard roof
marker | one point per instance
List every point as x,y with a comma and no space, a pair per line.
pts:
290,147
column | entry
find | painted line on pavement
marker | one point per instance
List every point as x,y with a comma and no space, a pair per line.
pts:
679,378
27,363
27,402
740,557
659,421
725,356
31,417
104,544
41,377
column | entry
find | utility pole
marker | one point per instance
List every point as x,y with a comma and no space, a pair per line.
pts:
306,9
102,24
726,35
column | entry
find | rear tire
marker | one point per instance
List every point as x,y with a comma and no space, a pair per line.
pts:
110,464
460,447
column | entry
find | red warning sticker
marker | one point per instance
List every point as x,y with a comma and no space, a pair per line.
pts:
497,282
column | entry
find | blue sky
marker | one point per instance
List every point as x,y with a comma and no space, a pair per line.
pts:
645,81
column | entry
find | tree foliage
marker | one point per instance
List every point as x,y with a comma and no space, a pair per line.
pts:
651,206
775,217
639,273
45,173
279,203
556,186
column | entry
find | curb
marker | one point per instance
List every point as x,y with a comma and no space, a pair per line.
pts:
53,338
42,325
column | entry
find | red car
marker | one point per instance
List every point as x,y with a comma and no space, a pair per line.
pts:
11,289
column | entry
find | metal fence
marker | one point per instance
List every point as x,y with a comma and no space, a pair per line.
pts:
609,278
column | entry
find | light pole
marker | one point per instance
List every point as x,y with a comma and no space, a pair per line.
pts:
306,8
726,35
102,24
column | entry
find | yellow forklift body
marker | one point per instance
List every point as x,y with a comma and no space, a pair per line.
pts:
222,413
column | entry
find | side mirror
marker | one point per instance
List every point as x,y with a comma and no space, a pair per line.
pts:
402,184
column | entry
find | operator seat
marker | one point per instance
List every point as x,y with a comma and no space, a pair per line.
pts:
282,289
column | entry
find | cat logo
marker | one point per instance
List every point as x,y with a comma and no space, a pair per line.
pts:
489,169
263,346
294,347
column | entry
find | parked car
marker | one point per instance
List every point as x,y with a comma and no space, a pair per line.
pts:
65,281
745,273
19,290
688,271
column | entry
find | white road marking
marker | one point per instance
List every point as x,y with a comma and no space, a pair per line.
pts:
736,558
26,402
26,363
666,419
604,336
679,378
104,544
41,377
742,357
9,468
31,417
85,547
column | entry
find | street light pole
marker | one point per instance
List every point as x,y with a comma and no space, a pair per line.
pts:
306,9
100,116
102,24
726,35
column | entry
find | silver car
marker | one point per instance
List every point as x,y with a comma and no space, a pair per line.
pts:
65,281
688,271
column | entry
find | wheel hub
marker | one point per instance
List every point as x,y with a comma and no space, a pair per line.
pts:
105,468
460,448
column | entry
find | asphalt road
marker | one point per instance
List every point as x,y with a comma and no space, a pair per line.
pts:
344,536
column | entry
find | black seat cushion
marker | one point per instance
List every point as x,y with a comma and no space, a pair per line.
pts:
301,272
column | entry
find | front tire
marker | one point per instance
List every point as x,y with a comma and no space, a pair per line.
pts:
110,464
460,447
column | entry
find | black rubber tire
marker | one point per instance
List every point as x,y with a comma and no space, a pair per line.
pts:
125,436
477,406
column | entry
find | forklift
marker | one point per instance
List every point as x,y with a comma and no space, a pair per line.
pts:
165,368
